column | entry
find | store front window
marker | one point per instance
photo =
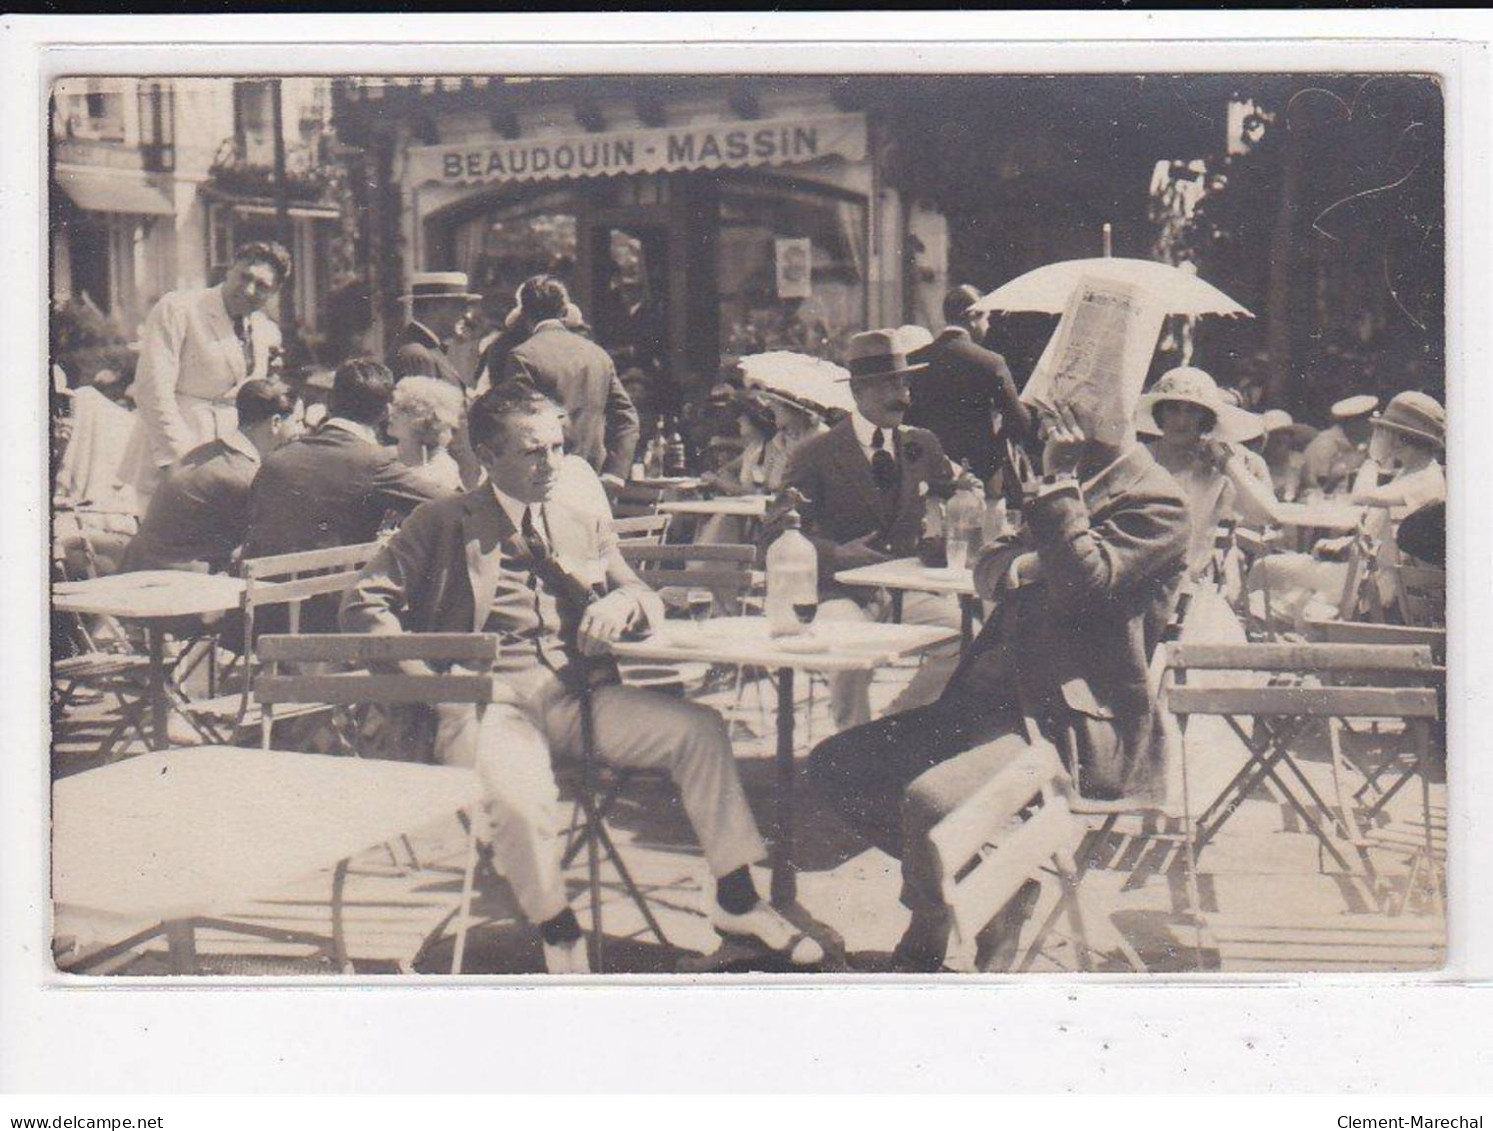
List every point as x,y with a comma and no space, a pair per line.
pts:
792,269
505,243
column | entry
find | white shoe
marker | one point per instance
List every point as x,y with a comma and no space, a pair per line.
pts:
567,958
764,925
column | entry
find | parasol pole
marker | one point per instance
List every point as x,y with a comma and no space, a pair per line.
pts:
1108,239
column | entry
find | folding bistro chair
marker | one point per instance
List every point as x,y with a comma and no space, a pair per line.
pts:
1014,828
1280,711
633,500
285,581
1420,593
478,651
643,530
723,570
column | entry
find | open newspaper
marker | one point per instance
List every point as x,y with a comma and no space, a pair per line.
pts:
1097,358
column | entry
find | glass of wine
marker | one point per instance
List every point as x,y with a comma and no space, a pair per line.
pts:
805,611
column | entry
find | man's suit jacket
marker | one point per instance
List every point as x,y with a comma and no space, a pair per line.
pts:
1074,647
199,514
330,488
418,353
955,396
833,473
603,423
459,565
191,364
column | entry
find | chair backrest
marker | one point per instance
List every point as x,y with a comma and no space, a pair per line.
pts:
1421,595
725,569
1399,662
643,529
292,579
365,684
632,500
1363,632
1360,596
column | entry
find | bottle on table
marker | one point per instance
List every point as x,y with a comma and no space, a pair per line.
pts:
792,578
965,523
674,459
653,457
997,520
932,541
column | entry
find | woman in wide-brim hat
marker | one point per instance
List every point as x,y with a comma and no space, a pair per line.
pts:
1199,438
1405,449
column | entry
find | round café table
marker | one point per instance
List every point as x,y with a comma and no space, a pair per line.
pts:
904,575
153,599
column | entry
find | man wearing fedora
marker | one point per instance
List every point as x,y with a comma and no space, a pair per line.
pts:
967,397
864,480
602,424
1334,455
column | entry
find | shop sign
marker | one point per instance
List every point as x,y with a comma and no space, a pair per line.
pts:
795,263
718,145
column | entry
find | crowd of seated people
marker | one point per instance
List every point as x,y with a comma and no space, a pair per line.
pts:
1110,534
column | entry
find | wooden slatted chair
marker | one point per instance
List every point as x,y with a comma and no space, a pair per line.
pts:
280,581
1367,633
634,500
1011,830
1280,711
365,684
643,530
1420,593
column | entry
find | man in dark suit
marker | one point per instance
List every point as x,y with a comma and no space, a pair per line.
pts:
334,486
967,396
864,480
577,373
439,302
199,514
1082,595
512,559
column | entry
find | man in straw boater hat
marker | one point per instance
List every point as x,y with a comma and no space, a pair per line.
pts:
438,305
1081,597
864,480
1335,454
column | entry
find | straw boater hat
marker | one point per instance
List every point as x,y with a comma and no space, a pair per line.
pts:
1415,414
440,284
1190,385
877,353
1351,408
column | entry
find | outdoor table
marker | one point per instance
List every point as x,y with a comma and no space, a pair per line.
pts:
153,598
740,506
669,482
745,642
909,574
172,837
1327,514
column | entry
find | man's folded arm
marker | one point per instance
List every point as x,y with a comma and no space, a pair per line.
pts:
1084,564
376,602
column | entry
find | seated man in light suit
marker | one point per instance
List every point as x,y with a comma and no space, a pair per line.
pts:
510,558
864,480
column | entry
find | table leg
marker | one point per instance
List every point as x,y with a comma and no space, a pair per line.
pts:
160,708
896,606
966,621
181,945
784,878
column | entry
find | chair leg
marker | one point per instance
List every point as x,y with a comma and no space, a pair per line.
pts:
1068,876
339,927
464,910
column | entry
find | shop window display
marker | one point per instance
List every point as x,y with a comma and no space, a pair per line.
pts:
761,222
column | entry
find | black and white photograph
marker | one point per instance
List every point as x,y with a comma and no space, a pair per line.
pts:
749,524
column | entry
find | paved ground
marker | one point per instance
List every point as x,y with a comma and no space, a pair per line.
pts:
1271,899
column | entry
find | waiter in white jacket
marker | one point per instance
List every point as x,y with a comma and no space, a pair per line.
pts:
198,346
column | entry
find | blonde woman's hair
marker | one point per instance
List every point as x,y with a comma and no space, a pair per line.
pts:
430,406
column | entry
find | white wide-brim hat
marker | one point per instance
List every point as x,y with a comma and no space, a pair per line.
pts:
1190,385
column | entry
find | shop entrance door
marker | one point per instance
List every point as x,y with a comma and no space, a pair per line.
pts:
632,294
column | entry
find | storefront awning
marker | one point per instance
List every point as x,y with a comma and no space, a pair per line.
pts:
710,145
115,190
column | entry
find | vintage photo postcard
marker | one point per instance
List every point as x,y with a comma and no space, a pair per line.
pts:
774,523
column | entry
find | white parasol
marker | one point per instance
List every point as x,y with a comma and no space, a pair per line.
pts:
798,378
1046,290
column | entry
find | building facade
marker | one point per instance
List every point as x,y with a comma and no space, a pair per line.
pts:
692,218
154,181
